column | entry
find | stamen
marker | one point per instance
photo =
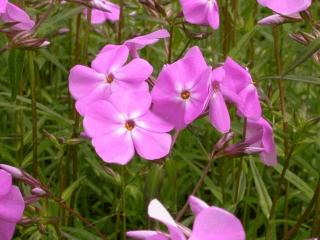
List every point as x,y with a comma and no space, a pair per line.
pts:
130,125
185,95
109,78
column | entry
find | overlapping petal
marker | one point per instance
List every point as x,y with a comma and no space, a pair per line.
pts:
286,7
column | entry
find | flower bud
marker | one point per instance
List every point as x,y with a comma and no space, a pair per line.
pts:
14,172
38,192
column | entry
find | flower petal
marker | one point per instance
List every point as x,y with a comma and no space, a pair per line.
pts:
286,7
236,77
213,16
250,105
197,205
115,147
219,114
15,14
151,145
83,80
12,205
109,61
5,183
147,235
152,122
6,230
216,223
101,119
138,70
194,11
132,104
3,5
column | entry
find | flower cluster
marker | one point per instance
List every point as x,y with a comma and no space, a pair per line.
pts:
210,223
12,203
120,115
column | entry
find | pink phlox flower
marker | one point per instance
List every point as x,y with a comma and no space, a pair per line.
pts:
14,14
214,223
236,85
100,16
125,125
286,7
138,43
202,12
11,206
3,5
181,90
108,73
262,131
158,212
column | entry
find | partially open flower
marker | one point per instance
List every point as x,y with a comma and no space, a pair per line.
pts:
11,206
203,12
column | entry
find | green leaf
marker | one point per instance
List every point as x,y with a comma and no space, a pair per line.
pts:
68,192
264,198
16,63
297,182
53,59
306,54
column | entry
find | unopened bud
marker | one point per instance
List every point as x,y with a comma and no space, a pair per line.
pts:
226,138
14,172
38,192
277,19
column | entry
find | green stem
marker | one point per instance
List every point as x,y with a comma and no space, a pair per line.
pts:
316,221
121,22
34,114
293,231
277,52
123,202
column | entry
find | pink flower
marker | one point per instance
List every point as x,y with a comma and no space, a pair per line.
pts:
14,14
108,74
123,125
203,12
182,88
277,19
262,130
11,206
158,212
214,223
210,223
235,84
286,7
3,5
140,42
100,16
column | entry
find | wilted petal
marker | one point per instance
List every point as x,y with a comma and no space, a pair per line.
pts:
216,223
